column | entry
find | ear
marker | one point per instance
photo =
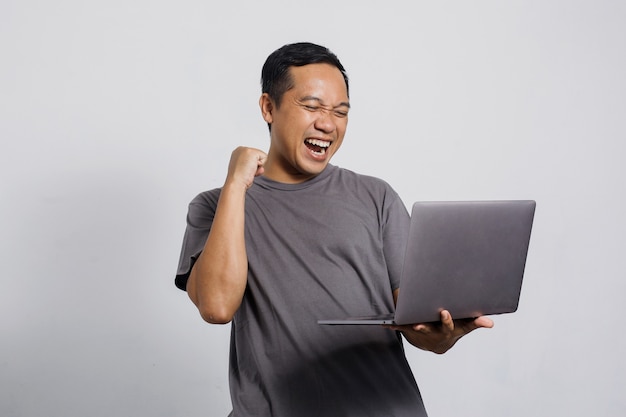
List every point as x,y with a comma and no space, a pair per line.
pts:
267,107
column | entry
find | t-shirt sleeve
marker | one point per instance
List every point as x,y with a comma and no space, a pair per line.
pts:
199,220
395,237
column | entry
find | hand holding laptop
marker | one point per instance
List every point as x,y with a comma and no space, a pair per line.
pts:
440,336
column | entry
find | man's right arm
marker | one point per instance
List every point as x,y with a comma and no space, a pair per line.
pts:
218,278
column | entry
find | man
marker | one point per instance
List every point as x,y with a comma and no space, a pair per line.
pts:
290,239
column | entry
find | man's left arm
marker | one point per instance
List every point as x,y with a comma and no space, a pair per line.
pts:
440,336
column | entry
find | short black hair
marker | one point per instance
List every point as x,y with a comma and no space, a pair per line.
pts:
275,76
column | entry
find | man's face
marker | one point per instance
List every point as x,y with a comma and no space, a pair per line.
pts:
309,126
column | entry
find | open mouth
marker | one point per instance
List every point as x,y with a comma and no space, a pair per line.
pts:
317,146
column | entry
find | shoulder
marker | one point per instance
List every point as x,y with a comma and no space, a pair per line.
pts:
364,184
205,198
202,207
349,175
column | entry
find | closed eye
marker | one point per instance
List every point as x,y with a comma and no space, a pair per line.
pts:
314,104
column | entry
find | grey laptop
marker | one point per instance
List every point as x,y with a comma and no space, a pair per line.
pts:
465,257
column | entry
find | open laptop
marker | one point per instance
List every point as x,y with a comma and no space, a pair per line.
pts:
465,257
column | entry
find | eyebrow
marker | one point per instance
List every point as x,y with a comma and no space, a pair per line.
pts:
319,100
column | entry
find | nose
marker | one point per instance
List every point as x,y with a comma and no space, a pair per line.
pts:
325,122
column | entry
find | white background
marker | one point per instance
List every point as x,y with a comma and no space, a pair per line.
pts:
114,115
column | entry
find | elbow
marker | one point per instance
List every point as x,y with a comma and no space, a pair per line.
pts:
214,310
216,315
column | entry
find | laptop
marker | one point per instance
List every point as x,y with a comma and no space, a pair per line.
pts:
466,257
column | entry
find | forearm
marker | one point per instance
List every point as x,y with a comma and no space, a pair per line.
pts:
218,279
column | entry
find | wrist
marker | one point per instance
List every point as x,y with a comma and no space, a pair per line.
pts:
233,185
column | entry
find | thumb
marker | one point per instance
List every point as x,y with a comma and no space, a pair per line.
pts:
483,321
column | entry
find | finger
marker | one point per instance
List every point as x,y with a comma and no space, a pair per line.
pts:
446,320
422,328
261,158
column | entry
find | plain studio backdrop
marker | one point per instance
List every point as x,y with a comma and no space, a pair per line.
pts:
114,115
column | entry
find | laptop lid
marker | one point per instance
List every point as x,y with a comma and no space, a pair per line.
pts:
467,257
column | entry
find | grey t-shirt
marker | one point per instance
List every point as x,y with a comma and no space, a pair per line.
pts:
330,247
